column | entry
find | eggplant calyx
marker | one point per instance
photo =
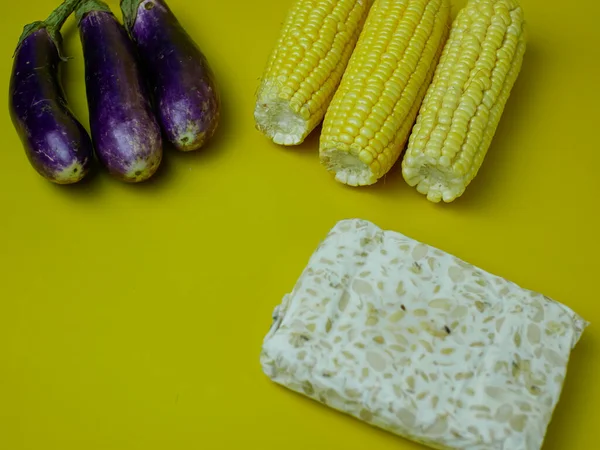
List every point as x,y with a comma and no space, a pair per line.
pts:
130,10
52,24
87,6
29,29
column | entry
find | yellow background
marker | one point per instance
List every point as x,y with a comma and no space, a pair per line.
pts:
131,317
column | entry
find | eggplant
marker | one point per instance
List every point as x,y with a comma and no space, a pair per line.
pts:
55,142
125,131
181,80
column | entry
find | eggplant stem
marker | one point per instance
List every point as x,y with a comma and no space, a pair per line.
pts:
86,6
59,16
52,24
130,10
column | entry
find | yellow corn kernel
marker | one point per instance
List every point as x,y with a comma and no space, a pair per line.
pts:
306,66
459,116
386,80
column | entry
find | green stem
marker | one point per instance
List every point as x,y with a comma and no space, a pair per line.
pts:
53,23
59,16
130,9
87,6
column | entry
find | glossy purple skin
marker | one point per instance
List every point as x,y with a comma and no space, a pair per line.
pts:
56,144
124,128
182,82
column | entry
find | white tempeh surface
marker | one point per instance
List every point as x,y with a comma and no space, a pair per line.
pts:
413,340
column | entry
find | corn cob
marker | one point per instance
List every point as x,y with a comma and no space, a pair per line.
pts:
372,112
462,108
305,68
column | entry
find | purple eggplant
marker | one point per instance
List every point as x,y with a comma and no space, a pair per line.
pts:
183,84
56,144
125,132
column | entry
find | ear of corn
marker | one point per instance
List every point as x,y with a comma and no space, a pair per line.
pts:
372,112
306,66
463,105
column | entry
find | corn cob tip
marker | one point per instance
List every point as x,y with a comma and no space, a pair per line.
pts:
432,180
305,67
463,105
348,168
276,120
370,117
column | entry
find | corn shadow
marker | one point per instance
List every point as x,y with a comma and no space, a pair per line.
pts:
496,161
391,183
495,167
308,150
310,146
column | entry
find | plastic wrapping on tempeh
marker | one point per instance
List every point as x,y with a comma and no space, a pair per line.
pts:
415,341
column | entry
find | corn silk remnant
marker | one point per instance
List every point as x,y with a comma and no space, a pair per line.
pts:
415,341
